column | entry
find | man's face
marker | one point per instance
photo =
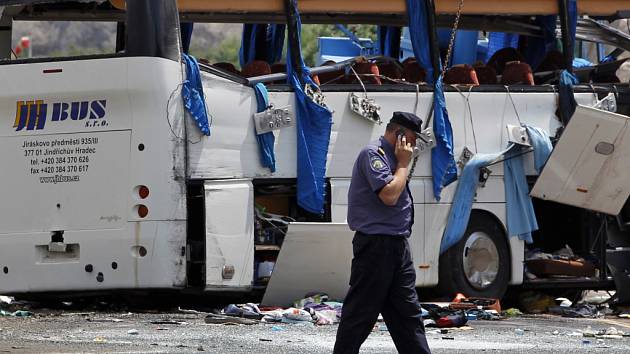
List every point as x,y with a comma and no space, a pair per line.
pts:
411,137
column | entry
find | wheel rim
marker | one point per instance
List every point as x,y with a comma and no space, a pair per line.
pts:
480,260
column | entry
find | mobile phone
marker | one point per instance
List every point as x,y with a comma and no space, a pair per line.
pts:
400,132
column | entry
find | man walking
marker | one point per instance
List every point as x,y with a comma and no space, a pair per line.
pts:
380,210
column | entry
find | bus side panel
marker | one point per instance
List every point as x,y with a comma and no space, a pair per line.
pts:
116,123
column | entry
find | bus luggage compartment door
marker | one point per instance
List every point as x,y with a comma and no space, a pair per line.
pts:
229,234
314,258
588,167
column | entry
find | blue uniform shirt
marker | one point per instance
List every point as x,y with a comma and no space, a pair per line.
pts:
367,213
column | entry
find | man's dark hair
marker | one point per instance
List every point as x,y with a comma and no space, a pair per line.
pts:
392,127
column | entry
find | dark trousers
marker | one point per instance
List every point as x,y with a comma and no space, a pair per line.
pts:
382,280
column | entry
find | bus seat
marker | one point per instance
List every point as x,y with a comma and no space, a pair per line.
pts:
461,75
486,75
278,68
413,72
225,66
368,72
331,77
408,60
517,73
390,70
503,56
554,60
256,68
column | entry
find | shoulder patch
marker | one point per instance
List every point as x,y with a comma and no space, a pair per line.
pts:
377,163
381,151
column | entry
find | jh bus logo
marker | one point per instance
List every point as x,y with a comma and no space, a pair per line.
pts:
32,115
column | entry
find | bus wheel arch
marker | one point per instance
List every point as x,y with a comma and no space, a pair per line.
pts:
479,265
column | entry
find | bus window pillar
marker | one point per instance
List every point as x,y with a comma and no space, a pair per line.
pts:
6,26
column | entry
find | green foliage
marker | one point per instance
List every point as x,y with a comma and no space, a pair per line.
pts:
227,50
71,51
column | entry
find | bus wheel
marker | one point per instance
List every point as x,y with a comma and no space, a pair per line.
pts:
479,264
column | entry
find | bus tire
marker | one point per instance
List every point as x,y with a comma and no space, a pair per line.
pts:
479,264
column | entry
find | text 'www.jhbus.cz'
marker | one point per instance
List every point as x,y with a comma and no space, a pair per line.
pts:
59,179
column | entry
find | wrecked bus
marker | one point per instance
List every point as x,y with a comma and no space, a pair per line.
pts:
142,169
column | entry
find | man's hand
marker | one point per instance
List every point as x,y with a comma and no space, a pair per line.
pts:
404,151
391,192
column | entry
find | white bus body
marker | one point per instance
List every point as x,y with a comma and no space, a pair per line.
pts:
82,137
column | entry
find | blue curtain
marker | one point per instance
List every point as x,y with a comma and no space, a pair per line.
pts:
186,30
443,165
192,94
247,52
419,28
538,47
567,103
267,140
275,40
388,38
500,40
314,123
261,42
459,213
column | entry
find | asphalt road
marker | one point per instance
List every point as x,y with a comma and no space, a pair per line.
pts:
67,332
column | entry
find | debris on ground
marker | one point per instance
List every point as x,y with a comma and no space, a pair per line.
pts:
579,311
535,302
228,320
512,312
18,313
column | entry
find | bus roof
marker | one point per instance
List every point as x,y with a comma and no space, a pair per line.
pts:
471,7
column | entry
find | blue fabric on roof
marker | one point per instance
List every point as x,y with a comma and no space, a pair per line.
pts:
314,125
193,96
443,165
267,140
261,42
186,30
388,38
566,98
419,35
500,40
459,213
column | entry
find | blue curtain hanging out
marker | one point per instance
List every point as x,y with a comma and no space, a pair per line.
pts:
265,141
567,103
193,96
314,123
263,42
443,165
186,30
388,38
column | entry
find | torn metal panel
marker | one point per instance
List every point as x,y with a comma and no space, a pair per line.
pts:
315,257
589,166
